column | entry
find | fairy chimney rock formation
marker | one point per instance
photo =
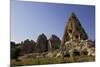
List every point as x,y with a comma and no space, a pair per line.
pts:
42,43
27,47
53,42
73,30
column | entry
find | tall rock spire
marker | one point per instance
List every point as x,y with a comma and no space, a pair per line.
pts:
73,30
42,43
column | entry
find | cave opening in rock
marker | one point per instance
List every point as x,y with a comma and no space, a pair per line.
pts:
76,36
70,31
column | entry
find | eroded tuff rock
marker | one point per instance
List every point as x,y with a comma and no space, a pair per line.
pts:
54,43
73,30
75,40
27,46
83,47
42,43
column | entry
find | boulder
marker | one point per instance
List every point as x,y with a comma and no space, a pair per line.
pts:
52,53
91,51
49,54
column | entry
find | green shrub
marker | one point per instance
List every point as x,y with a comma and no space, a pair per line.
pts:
15,53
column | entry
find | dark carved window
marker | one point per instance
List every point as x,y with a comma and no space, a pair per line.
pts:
76,36
70,31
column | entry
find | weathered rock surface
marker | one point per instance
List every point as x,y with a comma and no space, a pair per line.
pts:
81,47
52,53
73,30
54,43
75,40
42,43
27,46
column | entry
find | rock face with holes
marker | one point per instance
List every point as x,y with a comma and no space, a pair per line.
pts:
82,47
75,39
73,30
53,43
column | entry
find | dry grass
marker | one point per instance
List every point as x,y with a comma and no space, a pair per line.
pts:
40,61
